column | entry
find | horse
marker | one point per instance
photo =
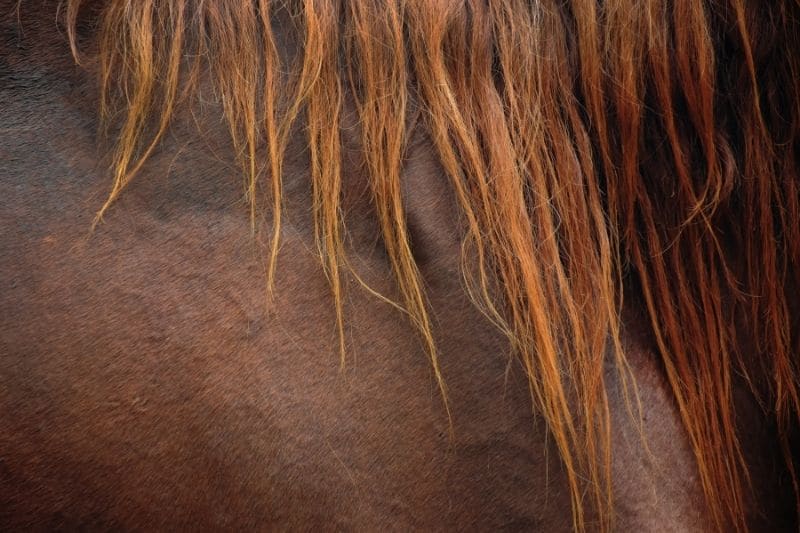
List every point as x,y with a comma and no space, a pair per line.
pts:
399,264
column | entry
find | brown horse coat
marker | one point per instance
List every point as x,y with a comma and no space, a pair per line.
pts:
146,382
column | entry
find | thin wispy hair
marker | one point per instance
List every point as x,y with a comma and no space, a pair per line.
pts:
598,151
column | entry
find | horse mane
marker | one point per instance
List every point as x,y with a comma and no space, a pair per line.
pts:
599,152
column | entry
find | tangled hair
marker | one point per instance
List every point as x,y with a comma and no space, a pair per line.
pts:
597,150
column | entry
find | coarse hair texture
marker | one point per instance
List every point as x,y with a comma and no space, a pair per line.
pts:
598,151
